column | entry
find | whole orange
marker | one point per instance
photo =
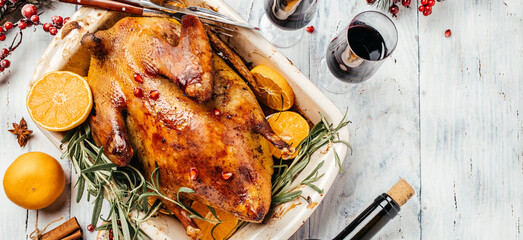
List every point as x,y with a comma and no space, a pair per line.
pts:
34,180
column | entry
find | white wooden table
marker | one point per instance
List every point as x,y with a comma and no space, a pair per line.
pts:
443,113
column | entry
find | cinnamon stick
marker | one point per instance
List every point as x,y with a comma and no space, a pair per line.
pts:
74,236
67,228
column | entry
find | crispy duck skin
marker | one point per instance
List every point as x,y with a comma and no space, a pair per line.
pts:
179,125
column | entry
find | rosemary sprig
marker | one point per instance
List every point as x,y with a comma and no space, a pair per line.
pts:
321,134
125,188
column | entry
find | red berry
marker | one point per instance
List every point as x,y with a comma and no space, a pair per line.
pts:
448,33
405,3
2,69
53,31
424,2
28,10
5,52
2,3
47,26
394,9
428,8
90,228
2,37
8,25
421,8
111,237
22,25
310,29
426,13
57,20
370,1
2,30
5,63
432,2
35,19
66,20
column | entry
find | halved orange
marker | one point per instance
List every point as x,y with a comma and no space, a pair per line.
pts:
274,89
222,231
60,101
291,127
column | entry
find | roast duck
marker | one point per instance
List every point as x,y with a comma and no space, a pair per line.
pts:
163,98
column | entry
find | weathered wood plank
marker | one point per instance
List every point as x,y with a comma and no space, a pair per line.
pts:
384,132
472,172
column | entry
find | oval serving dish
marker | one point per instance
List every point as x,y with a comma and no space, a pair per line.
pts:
66,53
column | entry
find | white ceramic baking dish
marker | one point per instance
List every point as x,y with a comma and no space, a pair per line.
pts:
66,53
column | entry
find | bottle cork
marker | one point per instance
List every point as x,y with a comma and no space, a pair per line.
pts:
401,192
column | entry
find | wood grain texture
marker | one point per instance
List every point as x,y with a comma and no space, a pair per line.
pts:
443,113
471,151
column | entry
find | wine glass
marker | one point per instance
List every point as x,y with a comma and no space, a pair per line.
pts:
358,51
283,18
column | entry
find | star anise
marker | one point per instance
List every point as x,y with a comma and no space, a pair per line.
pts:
21,132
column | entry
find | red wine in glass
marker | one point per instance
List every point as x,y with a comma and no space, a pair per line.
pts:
290,14
283,18
356,54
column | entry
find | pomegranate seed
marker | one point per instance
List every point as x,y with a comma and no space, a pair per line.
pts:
53,31
421,8
47,26
138,92
426,13
35,19
1,69
8,25
138,78
90,228
57,20
217,112
432,2
194,173
154,94
424,2
448,33
428,8
28,10
2,3
226,175
310,29
2,37
66,20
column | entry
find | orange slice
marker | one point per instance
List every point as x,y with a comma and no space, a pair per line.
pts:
223,231
274,90
60,101
291,127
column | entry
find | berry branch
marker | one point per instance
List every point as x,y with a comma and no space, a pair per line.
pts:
30,17
391,5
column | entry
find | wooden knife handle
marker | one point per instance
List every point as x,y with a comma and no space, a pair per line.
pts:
108,5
